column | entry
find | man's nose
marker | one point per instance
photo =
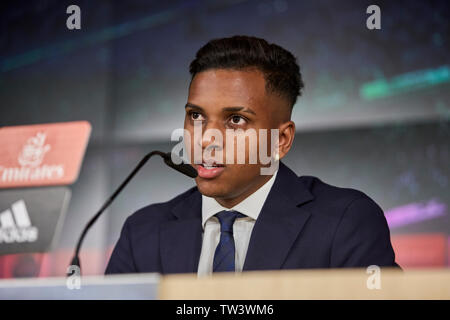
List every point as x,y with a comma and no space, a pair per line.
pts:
208,142
209,138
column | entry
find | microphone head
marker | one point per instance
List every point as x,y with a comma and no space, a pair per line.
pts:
184,168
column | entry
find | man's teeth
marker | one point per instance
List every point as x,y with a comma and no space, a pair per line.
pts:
206,166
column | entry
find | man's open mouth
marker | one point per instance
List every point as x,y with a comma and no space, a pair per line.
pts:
209,170
210,166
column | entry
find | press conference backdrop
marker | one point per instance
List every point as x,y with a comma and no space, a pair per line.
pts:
374,115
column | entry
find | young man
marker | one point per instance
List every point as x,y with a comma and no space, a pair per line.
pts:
238,219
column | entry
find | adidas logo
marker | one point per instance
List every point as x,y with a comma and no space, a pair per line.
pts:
16,226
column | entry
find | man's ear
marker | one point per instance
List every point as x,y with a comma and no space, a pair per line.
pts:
286,137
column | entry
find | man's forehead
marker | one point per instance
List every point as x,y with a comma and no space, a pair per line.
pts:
230,87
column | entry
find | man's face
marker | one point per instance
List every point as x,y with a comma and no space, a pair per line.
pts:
230,99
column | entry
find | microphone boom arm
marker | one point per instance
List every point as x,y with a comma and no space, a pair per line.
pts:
184,168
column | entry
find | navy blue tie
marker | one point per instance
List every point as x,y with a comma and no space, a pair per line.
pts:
225,251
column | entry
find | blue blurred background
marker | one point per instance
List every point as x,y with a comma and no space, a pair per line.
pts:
374,115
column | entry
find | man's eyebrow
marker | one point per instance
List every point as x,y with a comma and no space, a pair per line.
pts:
226,109
243,109
193,106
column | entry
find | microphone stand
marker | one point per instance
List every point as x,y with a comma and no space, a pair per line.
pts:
184,168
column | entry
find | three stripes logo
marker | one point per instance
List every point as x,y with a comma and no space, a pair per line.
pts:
15,226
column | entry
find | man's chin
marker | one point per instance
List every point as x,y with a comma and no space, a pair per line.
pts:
210,188
207,191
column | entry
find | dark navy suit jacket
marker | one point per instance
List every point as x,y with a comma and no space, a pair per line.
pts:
304,223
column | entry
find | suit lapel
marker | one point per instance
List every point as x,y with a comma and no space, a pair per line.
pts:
279,223
181,239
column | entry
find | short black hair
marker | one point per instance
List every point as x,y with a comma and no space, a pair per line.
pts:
278,65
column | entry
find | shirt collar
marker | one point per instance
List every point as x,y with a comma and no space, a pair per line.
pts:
250,206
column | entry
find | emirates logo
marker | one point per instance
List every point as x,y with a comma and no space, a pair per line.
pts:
42,154
31,166
34,150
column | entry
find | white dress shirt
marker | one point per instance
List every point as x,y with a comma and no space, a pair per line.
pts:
242,227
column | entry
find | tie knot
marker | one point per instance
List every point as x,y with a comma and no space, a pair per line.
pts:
226,219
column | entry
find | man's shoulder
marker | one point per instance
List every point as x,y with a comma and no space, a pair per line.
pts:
315,190
323,189
329,195
160,211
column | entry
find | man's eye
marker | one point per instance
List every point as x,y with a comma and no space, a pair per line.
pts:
196,116
238,120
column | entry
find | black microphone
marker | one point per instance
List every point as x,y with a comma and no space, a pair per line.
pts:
184,168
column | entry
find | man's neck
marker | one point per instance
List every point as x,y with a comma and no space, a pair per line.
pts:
231,202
